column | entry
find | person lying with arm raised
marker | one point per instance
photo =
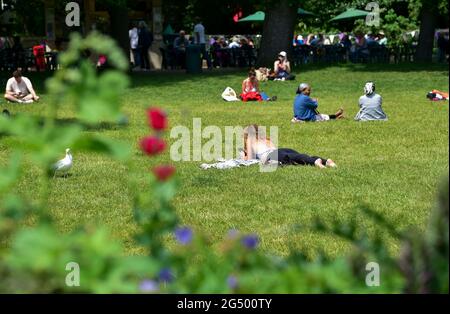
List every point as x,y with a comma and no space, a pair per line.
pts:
258,146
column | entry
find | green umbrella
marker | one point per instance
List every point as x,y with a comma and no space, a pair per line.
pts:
169,30
300,11
255,17
350,14
260,16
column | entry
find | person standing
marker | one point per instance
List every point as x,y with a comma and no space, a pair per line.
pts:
145,41
200,39
134,44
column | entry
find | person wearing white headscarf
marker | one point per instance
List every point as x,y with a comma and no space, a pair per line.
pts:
370,105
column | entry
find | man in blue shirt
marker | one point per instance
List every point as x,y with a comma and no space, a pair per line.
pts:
305,107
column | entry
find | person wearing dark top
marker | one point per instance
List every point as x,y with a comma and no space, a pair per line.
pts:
18,53
317,42
442,44
144,43
179,45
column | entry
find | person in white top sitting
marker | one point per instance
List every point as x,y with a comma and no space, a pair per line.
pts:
20,90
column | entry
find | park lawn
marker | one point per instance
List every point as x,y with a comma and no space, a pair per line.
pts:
393,167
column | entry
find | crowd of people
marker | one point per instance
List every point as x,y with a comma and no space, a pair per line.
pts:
39,57
257,146
356,47
225,51
344,39
218,51
305,109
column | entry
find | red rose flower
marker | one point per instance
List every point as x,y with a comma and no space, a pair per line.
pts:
152,145
157,119
163,173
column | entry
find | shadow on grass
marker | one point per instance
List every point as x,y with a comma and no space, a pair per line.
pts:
160,79
102,126
164,78
377,67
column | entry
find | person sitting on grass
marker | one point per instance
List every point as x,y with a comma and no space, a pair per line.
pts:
20,90
305,107
258,146
250,89
282,68
370,105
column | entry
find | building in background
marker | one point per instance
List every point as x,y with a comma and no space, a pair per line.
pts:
49,22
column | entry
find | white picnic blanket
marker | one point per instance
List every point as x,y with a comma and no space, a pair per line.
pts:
229,164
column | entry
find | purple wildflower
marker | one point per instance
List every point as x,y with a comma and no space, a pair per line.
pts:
184,235
148,286
232,282
250,241
165,275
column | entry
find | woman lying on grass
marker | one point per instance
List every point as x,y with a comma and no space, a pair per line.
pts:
250,89
305,107
258,146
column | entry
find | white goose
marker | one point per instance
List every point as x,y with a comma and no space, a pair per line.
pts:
64,165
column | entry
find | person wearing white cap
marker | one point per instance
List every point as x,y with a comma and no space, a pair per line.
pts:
381,39
282,67
305,107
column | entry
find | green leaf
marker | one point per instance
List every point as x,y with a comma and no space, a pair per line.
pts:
99,144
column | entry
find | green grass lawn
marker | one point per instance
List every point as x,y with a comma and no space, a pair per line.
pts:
394,167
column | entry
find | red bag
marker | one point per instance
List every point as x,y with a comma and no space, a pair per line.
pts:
251,96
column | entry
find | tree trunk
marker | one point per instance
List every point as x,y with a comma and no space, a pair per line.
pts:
278,32
119,26
428,18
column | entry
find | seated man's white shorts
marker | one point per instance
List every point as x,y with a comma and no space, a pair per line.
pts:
322,117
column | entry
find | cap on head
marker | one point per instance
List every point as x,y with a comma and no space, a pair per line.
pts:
302,87
283,54
369,88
